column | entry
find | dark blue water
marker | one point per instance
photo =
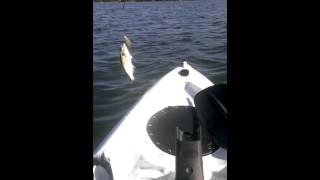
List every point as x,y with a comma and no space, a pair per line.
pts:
163,35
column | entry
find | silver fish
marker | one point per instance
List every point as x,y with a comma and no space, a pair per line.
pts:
125,60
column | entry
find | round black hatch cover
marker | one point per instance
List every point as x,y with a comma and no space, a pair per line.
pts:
184,72
161,128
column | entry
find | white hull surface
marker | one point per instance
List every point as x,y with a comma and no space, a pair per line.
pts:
131,152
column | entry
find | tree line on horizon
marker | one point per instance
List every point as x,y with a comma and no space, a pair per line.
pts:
134,0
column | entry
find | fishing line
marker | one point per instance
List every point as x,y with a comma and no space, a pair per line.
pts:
124,3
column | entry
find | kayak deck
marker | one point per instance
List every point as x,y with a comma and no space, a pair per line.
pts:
131,152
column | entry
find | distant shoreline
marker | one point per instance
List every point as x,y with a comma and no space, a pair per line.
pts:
136,0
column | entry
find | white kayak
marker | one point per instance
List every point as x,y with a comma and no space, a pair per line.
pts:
128,147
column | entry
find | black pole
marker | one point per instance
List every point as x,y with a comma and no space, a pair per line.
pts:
189,155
